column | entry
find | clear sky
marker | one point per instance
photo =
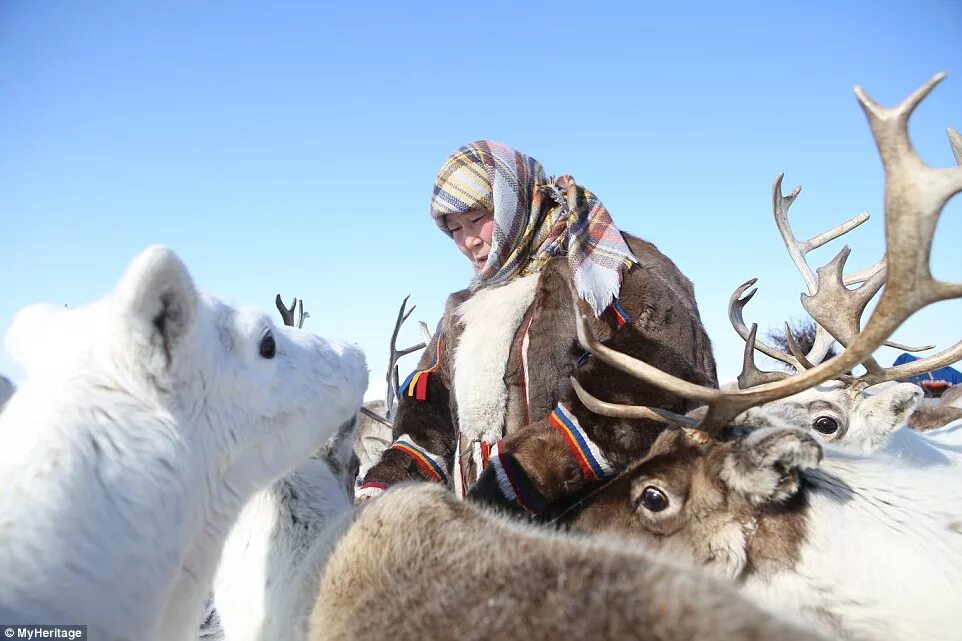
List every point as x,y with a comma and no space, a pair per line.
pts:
291,147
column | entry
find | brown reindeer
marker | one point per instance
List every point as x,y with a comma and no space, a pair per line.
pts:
419,564
862,547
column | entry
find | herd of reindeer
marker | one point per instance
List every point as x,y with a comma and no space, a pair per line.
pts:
155,487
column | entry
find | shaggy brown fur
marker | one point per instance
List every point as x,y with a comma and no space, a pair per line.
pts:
932,417
418,565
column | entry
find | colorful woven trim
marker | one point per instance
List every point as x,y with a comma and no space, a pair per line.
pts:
482,453
416,384
513,483
369,491
619,314
431,465
586,452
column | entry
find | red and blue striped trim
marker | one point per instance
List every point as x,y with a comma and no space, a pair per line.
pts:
416,384
619,314
586,452
427,462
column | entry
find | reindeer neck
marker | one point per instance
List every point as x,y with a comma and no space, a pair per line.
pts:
82,467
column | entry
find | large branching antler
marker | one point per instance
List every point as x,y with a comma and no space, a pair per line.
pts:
915,195
798,250
834,307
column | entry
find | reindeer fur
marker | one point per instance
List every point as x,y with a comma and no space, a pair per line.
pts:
877,419
130,449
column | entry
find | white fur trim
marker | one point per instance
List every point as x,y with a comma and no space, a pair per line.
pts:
490,319
458,471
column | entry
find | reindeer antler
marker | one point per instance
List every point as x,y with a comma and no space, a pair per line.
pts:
955,141
915,195
396,354
287,313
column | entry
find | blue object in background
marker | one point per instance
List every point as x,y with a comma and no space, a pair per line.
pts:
950,375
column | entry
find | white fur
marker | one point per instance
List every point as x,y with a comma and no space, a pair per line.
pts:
882,552
874,420
866,419
130,449
491,319
267,546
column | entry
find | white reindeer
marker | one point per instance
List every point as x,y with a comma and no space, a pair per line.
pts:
132,446
864,547
860,413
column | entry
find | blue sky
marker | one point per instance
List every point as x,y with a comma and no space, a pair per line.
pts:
291,147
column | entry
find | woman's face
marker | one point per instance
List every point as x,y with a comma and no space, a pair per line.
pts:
472,234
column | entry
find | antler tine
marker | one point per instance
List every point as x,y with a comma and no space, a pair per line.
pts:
630,411
396,354
377,417
425,332
915,195
916,367
286,314
750,375
736,304
864,275
955,141
838,308
795,349
914,198
798,250
780,207
301,314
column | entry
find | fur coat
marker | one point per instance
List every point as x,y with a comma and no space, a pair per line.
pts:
496,412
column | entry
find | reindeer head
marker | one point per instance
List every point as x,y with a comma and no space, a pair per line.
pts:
724,504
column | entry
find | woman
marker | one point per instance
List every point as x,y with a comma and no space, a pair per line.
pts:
490,409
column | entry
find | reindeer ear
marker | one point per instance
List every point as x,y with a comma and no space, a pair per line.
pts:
764,466
889,408
157,304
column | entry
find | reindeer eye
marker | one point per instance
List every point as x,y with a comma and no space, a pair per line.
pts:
268,346
653,499
825,425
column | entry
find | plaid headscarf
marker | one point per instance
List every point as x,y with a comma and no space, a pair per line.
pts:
493,177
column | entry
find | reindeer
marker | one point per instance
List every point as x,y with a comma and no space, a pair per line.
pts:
854,412
130,449
861,546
